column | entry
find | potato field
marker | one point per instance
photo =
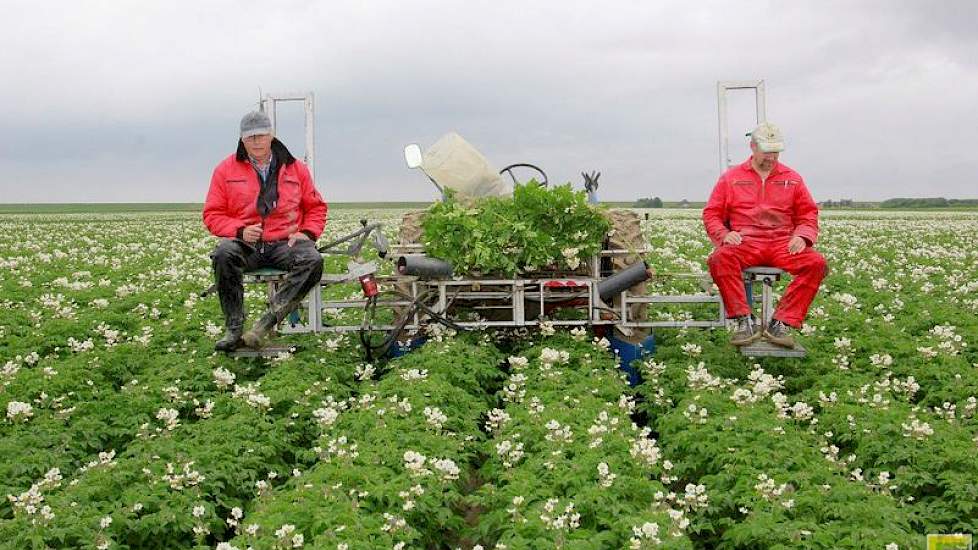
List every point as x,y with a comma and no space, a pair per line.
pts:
123,429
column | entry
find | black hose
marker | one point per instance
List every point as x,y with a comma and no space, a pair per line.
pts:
371,351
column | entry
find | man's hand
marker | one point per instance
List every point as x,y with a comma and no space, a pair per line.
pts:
732,237
298,236
796,245
251,233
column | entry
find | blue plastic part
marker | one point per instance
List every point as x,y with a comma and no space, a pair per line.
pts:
628,352
399,350
294,318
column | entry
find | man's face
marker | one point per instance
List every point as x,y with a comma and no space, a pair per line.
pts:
763,161
258,146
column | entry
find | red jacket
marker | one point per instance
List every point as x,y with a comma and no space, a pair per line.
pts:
232,198
780,206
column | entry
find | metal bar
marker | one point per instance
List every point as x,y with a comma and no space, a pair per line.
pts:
724,160
519,315
760,102
350,304
442,298
405,249
264,278
675,299
623,314
625,252
678,324
740,84
414,294
316,308
593,314
479,324
309,103
542,302
381,279
767,301
268,105
760,113
356,328
484,295
289,95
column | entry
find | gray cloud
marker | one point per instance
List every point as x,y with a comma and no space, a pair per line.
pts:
112,101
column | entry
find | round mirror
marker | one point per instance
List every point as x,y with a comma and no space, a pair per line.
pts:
412,154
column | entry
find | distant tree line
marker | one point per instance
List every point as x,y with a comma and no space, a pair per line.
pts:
844,203
932,202
653,202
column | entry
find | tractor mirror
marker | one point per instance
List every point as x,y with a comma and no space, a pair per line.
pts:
412,154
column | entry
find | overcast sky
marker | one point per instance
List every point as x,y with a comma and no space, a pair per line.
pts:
121,101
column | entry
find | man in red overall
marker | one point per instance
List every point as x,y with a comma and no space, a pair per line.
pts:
761,213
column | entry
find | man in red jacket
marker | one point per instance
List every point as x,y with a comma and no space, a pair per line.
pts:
263,204
761,213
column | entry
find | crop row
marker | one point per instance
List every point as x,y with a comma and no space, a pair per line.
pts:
567,467
391,463
200,446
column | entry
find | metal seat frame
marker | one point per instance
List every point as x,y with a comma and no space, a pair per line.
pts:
767,276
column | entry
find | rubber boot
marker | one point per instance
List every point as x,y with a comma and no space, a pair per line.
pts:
228,262
231,339
779,334
745,332
256,335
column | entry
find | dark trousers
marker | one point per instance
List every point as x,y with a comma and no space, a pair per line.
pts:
233,257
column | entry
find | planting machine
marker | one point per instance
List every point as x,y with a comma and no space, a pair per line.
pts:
606,295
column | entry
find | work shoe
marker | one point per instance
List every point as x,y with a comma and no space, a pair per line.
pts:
744,332
780,334
230,341
254,337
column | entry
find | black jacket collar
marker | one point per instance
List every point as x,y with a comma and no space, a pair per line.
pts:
282,154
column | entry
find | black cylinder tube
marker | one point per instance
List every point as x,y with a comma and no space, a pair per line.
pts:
424,267
632,275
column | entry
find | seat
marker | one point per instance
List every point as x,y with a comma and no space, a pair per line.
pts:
766,275
263,274
764,270
272,277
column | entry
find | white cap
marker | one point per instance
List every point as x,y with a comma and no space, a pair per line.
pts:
768,138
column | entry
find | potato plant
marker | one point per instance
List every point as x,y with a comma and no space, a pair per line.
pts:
122,428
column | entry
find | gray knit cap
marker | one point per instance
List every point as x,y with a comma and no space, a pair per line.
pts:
254,123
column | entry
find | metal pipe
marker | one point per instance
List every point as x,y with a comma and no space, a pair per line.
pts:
424,267
632,275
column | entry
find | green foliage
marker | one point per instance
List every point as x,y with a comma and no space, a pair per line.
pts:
73,279
575,424
535,229
734,447
360,488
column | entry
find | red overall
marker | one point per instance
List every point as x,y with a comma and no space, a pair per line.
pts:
767,214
